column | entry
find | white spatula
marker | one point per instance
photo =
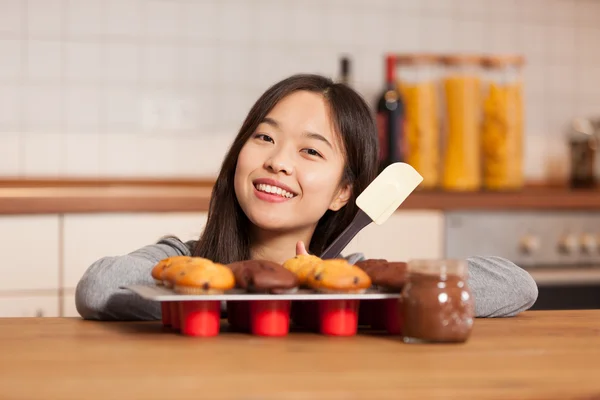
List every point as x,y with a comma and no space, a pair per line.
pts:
377,202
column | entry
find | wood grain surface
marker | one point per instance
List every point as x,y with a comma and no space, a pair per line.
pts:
536,355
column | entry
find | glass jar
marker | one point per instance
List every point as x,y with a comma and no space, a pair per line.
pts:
436,303
502,128
418,80
461,154
583,148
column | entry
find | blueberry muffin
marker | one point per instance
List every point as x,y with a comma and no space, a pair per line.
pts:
202,276
163,265
338,276
302,266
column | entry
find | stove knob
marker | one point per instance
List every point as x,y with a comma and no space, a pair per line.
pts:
529,244
568,244
589,243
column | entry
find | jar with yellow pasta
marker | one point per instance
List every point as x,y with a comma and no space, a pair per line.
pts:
461,154
418,84
502,130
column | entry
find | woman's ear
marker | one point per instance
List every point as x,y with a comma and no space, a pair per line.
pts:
341,197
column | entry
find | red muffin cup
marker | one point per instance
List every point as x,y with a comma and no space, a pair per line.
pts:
306,314
388,316
366,310
175,315
270,317
339,317
200,318
165,310
238,315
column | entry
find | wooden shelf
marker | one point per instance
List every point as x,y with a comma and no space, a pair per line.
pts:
129,195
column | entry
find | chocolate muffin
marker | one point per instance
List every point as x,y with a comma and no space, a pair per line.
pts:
387,275
263,276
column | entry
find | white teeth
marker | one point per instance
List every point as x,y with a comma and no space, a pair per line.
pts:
274,190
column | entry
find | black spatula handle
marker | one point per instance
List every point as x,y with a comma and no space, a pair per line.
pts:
358,223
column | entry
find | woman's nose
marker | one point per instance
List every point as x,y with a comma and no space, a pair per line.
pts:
278,162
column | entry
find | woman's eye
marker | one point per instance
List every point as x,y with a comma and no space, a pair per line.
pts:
264,137
313,152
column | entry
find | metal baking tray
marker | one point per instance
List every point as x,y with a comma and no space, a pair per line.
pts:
161,293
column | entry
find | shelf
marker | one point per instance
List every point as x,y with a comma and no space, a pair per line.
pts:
130,195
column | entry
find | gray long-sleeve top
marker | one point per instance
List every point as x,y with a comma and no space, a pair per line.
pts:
499,287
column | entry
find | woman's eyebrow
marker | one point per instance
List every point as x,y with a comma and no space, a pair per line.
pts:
270,121
310,135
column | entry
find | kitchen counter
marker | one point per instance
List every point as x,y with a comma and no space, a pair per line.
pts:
538,354
127,195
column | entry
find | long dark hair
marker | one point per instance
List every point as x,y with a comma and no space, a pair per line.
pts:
226,236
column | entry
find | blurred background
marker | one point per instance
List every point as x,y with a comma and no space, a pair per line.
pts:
479,95
84,83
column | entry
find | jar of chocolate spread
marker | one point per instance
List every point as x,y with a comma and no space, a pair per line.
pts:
436,302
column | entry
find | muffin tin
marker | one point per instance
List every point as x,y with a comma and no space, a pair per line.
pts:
338,314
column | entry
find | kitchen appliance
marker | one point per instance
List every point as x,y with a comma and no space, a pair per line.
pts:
561,250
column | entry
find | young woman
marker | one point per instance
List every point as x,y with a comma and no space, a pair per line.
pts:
306,150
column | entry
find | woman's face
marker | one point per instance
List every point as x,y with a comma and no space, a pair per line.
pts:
288,173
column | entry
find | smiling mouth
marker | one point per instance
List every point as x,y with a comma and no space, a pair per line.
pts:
274,190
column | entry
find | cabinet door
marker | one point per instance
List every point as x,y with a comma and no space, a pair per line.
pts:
405,235
68,305
28,306
30,247
89,237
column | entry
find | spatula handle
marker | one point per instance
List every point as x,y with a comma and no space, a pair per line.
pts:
335,248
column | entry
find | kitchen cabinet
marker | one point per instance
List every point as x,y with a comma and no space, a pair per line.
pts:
405,235
68,305
16,305
30,260
89,237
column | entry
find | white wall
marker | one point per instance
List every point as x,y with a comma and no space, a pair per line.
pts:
145,87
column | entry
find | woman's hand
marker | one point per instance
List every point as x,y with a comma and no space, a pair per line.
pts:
300,249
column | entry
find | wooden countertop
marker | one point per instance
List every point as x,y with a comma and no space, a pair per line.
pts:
130,195
538,354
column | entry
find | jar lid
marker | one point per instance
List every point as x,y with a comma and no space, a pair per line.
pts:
442,269
581,130
461,59
500,61
417,59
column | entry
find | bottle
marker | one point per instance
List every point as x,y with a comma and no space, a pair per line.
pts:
390,119
345,75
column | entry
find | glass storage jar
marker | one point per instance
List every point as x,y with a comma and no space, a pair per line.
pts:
436,303
418,84
461,154
502,128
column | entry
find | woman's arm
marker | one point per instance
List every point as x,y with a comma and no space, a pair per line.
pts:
98,296
499,287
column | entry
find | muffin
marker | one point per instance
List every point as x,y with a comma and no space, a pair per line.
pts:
389,276
170,274
263,276
301,266
338,276
202,276
162,265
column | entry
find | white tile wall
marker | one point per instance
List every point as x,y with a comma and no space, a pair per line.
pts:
107,87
